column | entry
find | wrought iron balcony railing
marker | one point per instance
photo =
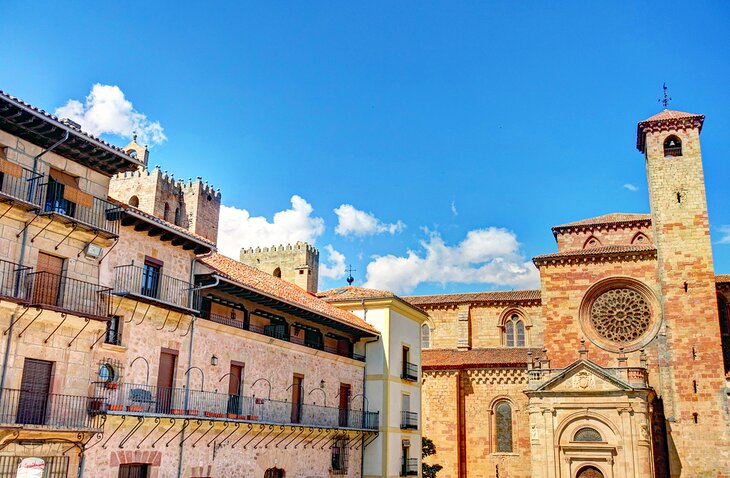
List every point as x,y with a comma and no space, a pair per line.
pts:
13,280
149,283
49,410
409,372
275,331
101,216
409,467
129,398
59,292
23,187
409,420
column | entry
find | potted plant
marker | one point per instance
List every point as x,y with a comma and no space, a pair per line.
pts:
192,412
111,385
116,407
177,411
232,416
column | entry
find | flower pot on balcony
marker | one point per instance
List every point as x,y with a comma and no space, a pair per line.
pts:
177,411
253,417
111,385
242,417
192,413
116,408
232,416
135,408
259,401
214,414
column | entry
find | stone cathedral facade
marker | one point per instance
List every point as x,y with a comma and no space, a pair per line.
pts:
615,367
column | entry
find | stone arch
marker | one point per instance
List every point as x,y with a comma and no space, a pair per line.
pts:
508,316
134,201
672,146
277,272
640,238
592,242
565,432
590,471
166,212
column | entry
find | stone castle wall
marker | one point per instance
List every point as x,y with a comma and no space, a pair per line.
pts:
298,263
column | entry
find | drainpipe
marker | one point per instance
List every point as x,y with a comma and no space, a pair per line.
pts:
22,258
190,346
364,385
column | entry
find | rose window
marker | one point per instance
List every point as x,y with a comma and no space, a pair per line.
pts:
620,315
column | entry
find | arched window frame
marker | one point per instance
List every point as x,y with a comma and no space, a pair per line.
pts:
496,427
672,151
166,212
277,272
592,242
134,201
582,435
515,328
425,336
640,238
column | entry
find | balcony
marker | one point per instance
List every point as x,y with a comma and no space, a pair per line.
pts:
409,420
276,331
409,467
147,283
409,372
98,216
13,281
49,411
136,399
19,184
63,294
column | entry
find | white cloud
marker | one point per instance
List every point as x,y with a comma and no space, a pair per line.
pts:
453,208
335,267
106,111
725,239
485,256
239,229
631,187
354,222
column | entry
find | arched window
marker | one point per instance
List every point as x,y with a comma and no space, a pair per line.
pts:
503,427
425,336
177,216
587,434
672,147
166,212
514,331
274,473
277,273
134,201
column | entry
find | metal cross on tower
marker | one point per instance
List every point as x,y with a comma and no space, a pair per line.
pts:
349,271
665,101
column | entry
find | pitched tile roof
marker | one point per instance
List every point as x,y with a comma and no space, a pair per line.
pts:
495,357
259,281
595,252
475,297
614,218
353,293
670,115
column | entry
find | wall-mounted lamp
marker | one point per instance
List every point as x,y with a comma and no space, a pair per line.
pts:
321,384
214,360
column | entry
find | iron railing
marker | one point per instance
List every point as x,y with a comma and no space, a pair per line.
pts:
50,410
13,280
102,215
129,398
275,331
409,372
409,420
409,467
60,292
23,188
149,282
672,151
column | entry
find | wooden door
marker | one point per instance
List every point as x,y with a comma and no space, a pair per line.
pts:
296,399
165,381
47,282
344,404
34,388
235,380
135,470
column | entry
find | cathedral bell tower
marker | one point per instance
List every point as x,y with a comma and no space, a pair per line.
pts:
692,382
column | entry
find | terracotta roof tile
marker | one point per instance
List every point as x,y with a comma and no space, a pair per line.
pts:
256,280
435,359
353,293
471,297
606,219
597,251
665,120
670,115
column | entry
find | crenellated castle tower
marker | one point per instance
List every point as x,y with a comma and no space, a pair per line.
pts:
298,263
192,204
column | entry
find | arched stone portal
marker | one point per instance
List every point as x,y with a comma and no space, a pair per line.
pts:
589,472
278,473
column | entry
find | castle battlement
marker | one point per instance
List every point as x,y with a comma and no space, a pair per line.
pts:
297,263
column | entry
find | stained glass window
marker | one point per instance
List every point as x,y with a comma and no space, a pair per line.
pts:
503,427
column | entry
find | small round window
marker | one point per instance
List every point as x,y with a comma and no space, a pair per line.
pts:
106,373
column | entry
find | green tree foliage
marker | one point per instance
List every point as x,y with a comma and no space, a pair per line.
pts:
428,449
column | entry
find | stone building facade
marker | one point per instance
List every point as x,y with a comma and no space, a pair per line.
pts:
131,349
297,263
616,366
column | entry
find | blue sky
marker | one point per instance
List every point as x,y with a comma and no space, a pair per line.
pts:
466,129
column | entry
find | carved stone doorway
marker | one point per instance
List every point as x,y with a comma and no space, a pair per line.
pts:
278,473
589,472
